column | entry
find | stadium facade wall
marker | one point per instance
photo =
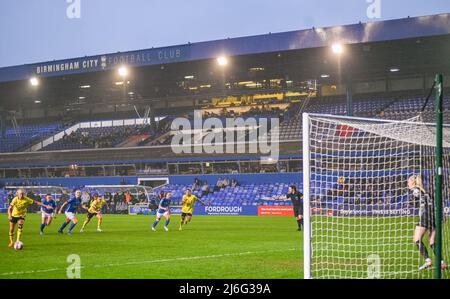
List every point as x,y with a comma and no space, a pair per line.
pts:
294,40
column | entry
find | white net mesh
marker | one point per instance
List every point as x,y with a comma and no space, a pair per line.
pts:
363,215
134,190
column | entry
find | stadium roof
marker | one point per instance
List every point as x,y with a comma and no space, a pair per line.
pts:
181,76
407,28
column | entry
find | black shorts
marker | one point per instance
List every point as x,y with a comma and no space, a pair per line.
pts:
90,215
427,222
297,211
427,219
186,214
16,219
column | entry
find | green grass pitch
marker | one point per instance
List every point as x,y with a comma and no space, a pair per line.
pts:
208,247
345,247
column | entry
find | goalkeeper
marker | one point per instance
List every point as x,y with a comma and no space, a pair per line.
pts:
426,219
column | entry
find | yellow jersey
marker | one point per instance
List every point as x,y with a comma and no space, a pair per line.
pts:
96,206
188,203
20,206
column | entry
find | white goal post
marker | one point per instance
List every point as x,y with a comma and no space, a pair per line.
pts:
359,214
133,189
56,191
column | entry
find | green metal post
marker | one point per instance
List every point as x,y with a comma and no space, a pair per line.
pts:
438,177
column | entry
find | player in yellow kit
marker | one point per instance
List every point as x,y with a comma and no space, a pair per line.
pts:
187,207
95,209
16,214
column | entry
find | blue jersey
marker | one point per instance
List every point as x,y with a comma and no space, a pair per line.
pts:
73,204
51,203
164,203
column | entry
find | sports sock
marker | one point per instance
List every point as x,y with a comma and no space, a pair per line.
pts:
167,222
434,248
19,234
63,226
423,249
71,227
42,227
11,238
299,223
155,223
84,224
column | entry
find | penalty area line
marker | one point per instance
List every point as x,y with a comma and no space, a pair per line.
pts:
175,259
184,258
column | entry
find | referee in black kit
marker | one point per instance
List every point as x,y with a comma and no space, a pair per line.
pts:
297,201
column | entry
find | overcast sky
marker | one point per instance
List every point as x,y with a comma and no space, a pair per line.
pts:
40,30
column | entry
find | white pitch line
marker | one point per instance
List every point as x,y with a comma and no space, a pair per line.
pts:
155,261
29,272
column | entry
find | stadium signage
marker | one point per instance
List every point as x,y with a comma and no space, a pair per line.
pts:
110,61
227,210
383,212
141,209
375,211
275,211
67,66
144,57
222,209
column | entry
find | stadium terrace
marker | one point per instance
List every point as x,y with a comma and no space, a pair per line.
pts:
237,151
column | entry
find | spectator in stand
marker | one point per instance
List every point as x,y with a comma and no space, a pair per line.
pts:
142,197
218,185
226,182
205,189
153,204
108,196
133,200
196,185
128,197
113,202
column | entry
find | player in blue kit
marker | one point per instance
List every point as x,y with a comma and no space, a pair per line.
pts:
73,205
47,214
163,210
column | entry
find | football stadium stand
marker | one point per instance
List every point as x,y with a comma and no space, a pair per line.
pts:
19,137
381,105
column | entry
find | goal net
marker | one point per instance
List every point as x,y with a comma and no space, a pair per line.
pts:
360,215
140,196
134,190
40,191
